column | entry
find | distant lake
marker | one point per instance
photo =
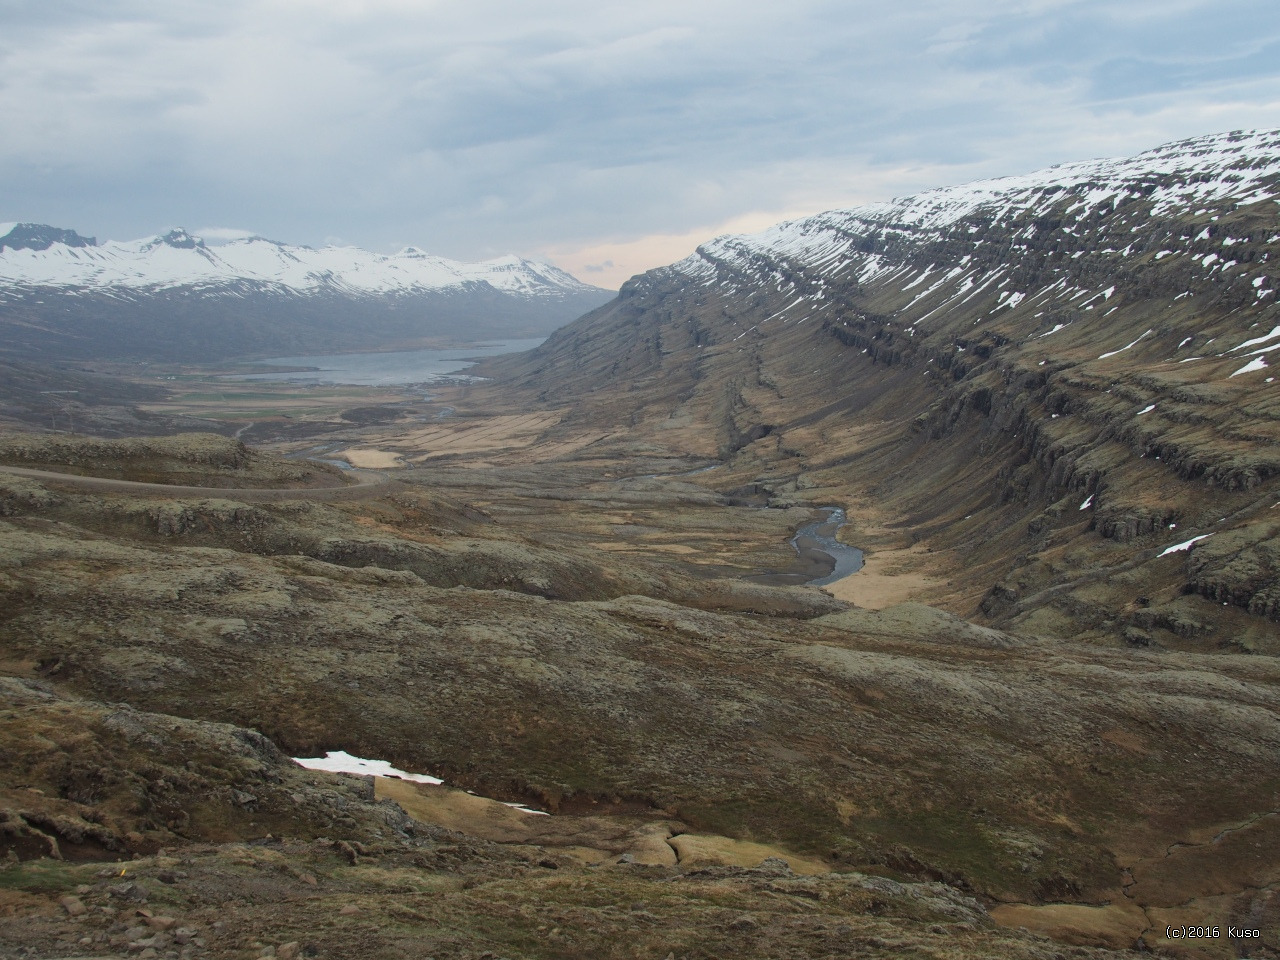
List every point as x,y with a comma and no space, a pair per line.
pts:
386,369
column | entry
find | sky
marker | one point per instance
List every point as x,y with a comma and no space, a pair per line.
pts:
604,138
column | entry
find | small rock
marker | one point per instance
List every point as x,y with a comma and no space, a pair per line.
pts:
148,954
289,951
162,923
183,935
128,891
243,799
349,909
74,906
774,866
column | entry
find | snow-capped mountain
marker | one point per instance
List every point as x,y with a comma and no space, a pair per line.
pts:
65,282
35,255
1163,258
1197,215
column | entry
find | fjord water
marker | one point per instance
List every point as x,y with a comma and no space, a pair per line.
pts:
384,369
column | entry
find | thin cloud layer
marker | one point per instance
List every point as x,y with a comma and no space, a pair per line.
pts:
581,132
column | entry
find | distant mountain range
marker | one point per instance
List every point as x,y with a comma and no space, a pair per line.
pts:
174,297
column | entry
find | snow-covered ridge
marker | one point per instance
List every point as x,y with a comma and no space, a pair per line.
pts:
178,259
1185,176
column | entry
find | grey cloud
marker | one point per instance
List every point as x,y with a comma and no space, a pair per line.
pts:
480,128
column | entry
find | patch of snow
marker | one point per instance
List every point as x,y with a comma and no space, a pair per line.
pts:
339,761
1257,363
1087,503
1147,409
920,279
524,809
1275,332
1185,545
1127,346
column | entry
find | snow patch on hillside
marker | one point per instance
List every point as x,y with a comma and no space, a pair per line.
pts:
1183,176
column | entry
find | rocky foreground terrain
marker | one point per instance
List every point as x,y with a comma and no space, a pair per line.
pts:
1043,722
932,785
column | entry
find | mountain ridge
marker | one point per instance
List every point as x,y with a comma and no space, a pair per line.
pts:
1041,376
130,264
174,297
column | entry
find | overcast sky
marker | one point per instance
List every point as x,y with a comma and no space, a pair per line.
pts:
606,138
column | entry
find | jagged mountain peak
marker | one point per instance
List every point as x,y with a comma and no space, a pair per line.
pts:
180,239
39,236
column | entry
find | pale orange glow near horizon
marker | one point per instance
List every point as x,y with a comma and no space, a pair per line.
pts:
611,263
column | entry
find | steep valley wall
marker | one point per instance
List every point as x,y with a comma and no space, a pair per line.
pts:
1051,387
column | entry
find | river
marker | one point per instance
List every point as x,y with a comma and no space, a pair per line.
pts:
820,537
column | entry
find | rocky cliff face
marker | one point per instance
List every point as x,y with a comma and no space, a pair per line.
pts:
1066,374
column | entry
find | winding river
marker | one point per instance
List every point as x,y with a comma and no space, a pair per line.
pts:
819,538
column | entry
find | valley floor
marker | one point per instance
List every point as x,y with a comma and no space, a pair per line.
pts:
546,607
